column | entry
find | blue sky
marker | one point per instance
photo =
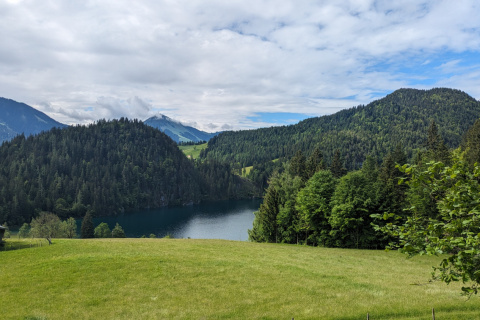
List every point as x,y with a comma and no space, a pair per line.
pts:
237,64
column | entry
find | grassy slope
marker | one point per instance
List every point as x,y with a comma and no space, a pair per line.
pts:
193,151
214,279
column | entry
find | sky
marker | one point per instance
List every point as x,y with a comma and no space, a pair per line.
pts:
230,65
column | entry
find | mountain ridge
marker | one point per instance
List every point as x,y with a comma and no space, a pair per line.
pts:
17,118
178,131
401,117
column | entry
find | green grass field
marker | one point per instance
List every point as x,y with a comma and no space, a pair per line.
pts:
193,151
214,279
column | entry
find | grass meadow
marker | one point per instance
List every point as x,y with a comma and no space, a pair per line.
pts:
193,151
216,279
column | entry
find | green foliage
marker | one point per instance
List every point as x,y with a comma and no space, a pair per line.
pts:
218,182
298,166
471,144
6,233
265,226
87,229
313,207
102,231
374,129
117,232
314,163
324,212
47,225
108,167
436,148
337,167
24,231
69,228
453,230
287,188
352,203
192,150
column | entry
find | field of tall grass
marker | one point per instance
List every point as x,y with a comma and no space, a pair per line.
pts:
193,151
216,279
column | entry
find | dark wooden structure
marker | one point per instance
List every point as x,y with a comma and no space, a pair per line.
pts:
2,232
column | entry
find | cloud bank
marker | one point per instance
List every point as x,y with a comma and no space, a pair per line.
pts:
218,64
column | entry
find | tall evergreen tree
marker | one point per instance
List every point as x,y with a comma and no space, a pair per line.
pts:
314,163
298,166
87,229
471,144
436,148
337,168
265,228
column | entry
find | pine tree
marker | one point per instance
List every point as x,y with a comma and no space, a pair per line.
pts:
298,166
314,163
87,229
471,144
265,226
436,148
337,168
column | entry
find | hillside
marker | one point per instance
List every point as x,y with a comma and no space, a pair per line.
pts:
17,118
107,167
213,279
177,131
376,129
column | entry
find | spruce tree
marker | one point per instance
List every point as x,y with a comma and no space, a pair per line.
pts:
87,229
436,148
337,168
298,166
314,163
471,144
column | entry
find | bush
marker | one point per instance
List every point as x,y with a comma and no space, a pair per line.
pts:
102,231
24,231
118,232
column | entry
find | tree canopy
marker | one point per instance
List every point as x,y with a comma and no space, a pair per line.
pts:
453,229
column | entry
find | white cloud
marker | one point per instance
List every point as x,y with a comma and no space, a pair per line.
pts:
217,63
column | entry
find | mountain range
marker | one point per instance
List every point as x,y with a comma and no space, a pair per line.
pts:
177,131
17,118
117,165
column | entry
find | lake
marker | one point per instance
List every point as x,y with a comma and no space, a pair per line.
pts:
229,220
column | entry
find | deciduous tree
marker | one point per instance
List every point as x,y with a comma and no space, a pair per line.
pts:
47,225
454,231
117,232
313,206
103,231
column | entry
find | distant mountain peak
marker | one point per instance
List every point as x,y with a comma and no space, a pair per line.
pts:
178,131
17,118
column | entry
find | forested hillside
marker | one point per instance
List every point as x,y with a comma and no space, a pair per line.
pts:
306,203
375,129
107,167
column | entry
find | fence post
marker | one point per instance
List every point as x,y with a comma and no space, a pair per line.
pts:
368,316
433,313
